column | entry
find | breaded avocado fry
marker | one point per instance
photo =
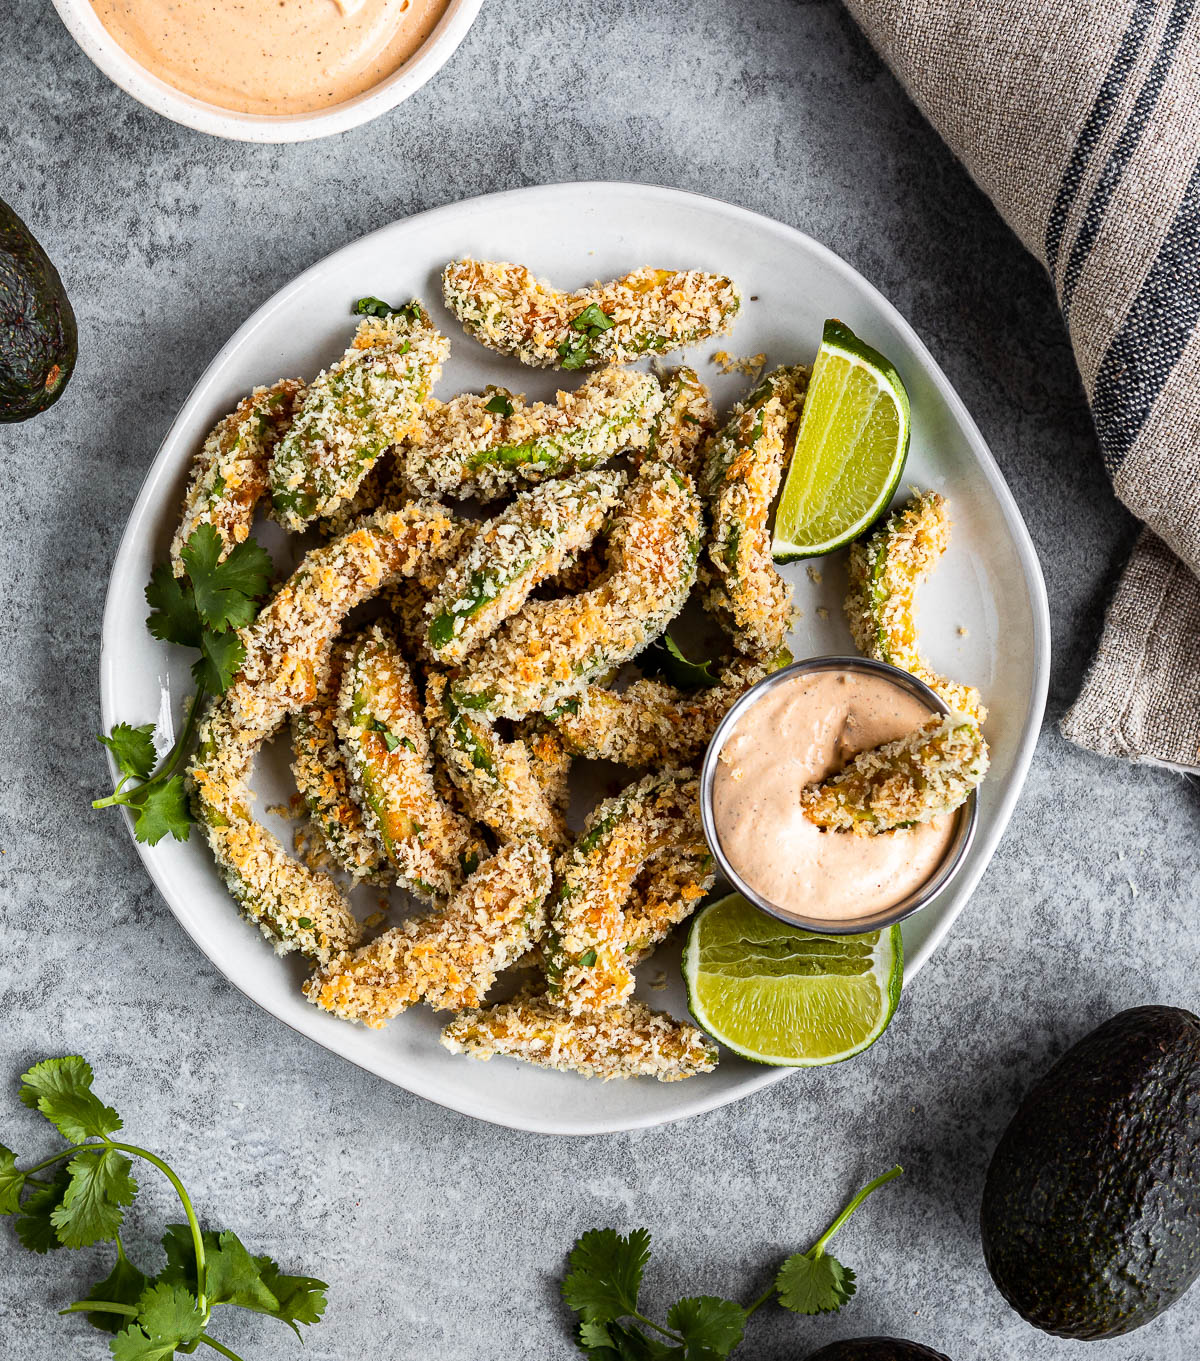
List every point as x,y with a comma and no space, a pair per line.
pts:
451,958
885,571
508,557
743,465
229,474
686,420
551,649
624,1041
354,410
650,722
390,761
490,445
497,779
286,667
587,963
650,311
915,779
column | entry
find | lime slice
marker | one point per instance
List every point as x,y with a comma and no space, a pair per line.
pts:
779,995
850,449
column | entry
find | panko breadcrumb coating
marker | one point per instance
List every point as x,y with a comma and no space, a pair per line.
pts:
587,963
229,475
884,573
686,420
650,722
914,779
743,465
497,779
549,761
551,649
490,446
370,399
668,891
388,755
451,958
509,556
625,1041
324,783
286,666
650,311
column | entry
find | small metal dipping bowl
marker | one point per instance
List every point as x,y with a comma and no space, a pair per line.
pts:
965,816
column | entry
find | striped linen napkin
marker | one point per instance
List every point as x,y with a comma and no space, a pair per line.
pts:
1081,121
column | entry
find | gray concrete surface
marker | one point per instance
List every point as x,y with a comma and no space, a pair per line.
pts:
443,1238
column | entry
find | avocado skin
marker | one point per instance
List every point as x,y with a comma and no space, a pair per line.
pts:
38,339
1091,1209
876,1349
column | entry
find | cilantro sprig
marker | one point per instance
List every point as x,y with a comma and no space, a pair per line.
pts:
604,1285
150,1317
203,609
665,657
576,350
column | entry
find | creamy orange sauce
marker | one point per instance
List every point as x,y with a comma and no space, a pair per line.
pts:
271,56
803,730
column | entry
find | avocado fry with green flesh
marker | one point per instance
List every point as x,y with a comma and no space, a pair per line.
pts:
1091,1209
230,473
650,311
488,446
509,556
390,761
38,335
353,411
743,465
551,649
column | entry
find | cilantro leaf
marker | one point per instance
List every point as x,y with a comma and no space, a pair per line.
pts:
592,320
132,748
499,405
225,589
574,354
221,658
168,1317
301,1298
34,1227
810,1285
593,1334
666,657
162,809
627,1342
61,1089
606,1274
376,307
12,1181
101,1184
174,617
708,1322
124,1284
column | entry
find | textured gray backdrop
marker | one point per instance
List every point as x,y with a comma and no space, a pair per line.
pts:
444,1239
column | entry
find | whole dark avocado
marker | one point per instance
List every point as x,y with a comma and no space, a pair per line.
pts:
37,325
876,1349
1091,1209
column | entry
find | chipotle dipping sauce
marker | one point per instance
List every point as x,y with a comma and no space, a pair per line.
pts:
799,731
271,56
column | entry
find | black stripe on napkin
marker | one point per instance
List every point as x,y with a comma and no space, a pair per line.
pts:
1122,152
1097,120
1145,350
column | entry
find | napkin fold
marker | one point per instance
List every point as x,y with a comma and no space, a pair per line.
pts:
1082,124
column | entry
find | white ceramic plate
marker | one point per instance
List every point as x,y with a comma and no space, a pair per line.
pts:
983,615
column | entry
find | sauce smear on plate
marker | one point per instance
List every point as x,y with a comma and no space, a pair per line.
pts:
271,56
803,730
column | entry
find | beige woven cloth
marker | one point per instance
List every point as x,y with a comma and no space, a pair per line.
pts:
1081,120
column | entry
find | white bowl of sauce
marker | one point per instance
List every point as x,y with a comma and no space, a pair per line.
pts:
801,724
269,70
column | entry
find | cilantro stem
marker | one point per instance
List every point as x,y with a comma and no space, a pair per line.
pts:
818,1248
100,1307
185,1201
658,1328
56,1158
218,1347
121,796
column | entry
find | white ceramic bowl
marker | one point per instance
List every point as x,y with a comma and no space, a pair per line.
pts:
96,42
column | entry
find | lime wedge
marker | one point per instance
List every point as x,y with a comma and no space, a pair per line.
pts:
850,449
779,995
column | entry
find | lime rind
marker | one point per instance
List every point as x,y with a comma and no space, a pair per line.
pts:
816,497
775,984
